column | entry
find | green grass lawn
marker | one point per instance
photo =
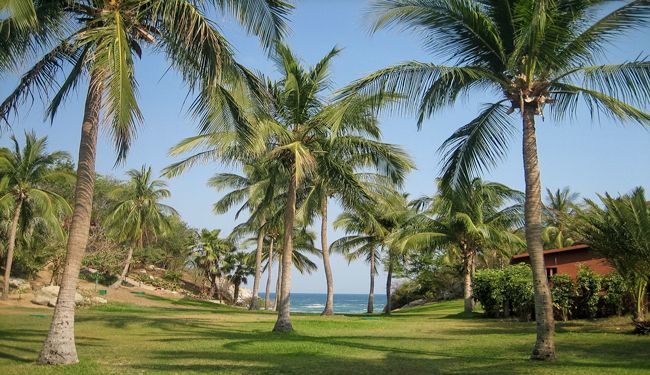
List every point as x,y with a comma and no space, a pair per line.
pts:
196,337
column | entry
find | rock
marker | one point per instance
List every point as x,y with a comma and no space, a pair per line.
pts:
98,300
48,296
151,267
142,271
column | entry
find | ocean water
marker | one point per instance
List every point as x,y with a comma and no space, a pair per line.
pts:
343,303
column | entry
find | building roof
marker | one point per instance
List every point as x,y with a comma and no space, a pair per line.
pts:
552,251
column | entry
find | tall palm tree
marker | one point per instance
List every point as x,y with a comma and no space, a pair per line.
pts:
99,39
138,213
531,52
471,220
349,155
24,175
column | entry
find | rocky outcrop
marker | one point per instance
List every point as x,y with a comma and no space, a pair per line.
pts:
48,296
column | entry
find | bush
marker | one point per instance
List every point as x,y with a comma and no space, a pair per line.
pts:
406,292
615,299
588,287
488,289
518,290
173,276
563,293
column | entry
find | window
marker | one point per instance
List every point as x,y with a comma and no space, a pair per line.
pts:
550,271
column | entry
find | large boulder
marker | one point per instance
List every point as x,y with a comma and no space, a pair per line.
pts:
48,296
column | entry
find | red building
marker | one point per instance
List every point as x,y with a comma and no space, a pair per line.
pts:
567,260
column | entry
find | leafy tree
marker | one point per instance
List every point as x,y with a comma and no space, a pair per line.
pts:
209,254
138,214
99,39
24,172
534,54
620,231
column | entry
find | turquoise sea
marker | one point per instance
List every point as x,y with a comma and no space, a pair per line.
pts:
343,303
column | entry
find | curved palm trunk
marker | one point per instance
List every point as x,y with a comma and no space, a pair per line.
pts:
127,264
389,281
283,324
269,270
545,345
278,286
329,304
469,256
371,294
10,249
59,346
258,268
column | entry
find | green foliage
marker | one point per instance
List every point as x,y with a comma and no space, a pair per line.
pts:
642,327
563,293
588,286
616,298
173,276
406,292
518,290
489,290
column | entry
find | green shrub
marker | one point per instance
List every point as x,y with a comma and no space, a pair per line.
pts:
488,289
615,300
563,292
173,276
518,290
588,287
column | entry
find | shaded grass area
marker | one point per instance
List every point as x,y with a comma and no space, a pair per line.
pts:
189,336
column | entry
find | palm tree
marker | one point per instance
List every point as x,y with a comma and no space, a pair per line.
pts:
239,267
24,175
471,220
363,240
209,254
138,213
375,230
348,156
532,53
257,189
558,215
99,39
620,231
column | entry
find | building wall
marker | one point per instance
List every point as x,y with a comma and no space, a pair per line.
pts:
567,262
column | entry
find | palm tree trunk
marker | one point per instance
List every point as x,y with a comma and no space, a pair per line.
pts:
125,270
545,345
468,260
59,346
278,286
269,270
236,293
371,294
329,304
10,248
283,324
389,282
213,285
258,267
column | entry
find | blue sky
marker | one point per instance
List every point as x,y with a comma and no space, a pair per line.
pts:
588,155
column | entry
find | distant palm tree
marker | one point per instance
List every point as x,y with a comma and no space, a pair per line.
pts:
238,267
24,174
98,40
471,220
257,189
530,53
559,214
208,254
138,213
